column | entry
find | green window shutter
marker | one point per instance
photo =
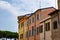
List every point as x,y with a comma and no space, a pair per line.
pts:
32,31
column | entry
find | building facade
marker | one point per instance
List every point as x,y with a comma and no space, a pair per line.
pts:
33,23
22,27
55,25
30,27
45,23
36,26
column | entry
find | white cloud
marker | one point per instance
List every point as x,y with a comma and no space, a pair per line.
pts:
9,7
20,7
32,5
49,3
26,5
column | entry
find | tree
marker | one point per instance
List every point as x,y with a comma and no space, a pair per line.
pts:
8,34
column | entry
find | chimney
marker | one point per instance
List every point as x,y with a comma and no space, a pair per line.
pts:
58,4
59,11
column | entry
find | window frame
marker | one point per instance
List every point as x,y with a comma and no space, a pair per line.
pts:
21,36
55,25
47,26
41,28
32,20
32,31
19,26
37,30
37,17
22,24
27,34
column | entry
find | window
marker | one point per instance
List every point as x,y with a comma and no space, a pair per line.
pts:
22,24
27,23
47,26
55,24
21,36
32,31
27,34
41,29
32,19
19,26
37,17
37,30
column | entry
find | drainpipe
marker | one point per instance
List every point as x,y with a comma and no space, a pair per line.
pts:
28,30
35,28
58,18
23,32
44,30
52,29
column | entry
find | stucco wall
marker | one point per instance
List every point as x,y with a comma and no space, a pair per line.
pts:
47,34
55,32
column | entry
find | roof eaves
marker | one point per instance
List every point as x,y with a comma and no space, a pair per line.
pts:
53,12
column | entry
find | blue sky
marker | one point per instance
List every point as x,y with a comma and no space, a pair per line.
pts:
10,9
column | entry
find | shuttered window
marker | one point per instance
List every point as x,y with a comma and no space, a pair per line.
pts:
21,36
27,34
55,24
47,26
22,24
37,17
32,31
37,30
41,28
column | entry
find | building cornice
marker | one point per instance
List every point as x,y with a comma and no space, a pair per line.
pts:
49,17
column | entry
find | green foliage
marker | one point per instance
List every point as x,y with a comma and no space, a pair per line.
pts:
8,34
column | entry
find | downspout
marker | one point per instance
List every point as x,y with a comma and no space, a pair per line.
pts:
35,28
28,30
58,18
23,28
44,30
52,29
23,32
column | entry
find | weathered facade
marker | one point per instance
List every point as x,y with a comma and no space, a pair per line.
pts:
55,25
45,23
33,23
22,27
36,26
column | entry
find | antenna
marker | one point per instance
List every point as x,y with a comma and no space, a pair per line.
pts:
55,3
40,4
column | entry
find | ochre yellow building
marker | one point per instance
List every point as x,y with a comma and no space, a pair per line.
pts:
22,27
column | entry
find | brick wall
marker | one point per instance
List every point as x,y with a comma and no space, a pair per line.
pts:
44,13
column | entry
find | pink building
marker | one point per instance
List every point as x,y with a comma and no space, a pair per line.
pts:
34,30
33,23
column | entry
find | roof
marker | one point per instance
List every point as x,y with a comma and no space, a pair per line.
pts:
29,15
41,9
45,8
53,12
